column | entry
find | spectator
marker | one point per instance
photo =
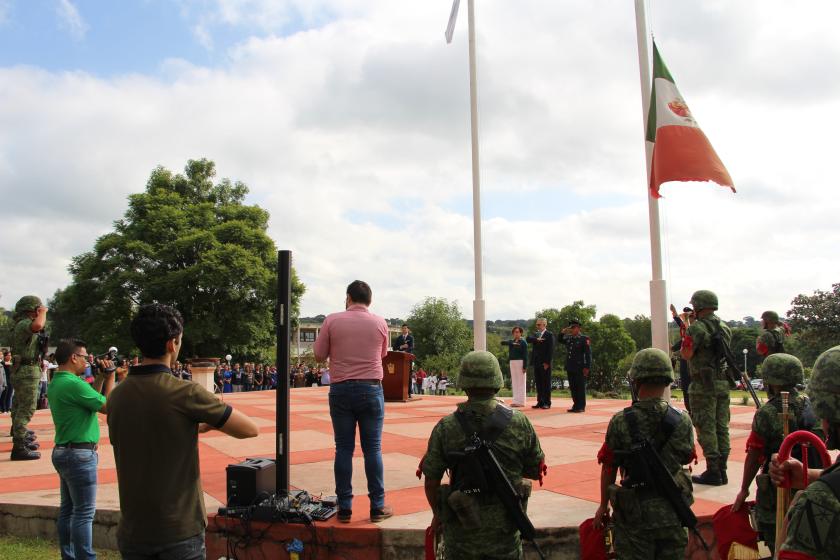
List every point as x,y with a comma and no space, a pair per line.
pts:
236,379
442,384
248,377
227,378
186,372
3,382
8,391
325,377
355,341
74,408
153,417
258,378
432,386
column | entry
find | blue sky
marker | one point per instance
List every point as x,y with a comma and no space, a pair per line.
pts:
116,37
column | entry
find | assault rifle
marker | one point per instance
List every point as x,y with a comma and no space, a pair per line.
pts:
655,475
500,485
634,395
722,350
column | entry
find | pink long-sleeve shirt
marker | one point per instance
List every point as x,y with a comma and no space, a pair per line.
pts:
355,341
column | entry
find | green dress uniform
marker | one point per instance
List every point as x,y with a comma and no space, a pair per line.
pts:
709,389
25,378
517,450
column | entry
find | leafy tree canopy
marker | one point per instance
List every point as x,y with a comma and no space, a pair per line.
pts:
558,319
188,242
441,336
639,330
816,319
611,344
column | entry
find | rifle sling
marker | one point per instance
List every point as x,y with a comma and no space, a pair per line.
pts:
495,424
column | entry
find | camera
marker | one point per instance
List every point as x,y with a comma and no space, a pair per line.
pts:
111,355
43,343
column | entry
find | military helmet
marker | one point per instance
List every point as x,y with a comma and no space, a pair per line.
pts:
480,370
704,299
824,387
782,369
27,303
651,363
771,316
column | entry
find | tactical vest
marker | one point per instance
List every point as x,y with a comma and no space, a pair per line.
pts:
632,472
778,345
467,473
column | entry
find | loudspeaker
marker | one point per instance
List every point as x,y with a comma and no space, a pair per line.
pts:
249,479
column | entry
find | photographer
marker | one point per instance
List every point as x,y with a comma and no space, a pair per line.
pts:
28,348
74,405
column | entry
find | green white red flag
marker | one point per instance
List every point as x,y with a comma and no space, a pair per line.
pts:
681,151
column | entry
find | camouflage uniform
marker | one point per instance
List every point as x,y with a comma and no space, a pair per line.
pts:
26,371
771,341
646,526
709,389
517,450
814,518
767,437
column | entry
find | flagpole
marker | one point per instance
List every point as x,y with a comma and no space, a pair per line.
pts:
479,321
658,303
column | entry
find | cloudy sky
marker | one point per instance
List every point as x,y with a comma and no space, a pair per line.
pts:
349,121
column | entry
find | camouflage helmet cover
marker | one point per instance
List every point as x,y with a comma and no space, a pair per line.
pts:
771,316
704,299
782,369
651,363
27,303
480,370
824,387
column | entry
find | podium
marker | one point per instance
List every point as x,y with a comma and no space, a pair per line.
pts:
396,375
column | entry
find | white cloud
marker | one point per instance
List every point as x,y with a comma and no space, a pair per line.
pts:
70,19
355,136
5,9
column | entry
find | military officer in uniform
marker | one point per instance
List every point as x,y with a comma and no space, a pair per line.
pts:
646,526
476,525
709,389
30,318
781,372
578,362
772,338
814,516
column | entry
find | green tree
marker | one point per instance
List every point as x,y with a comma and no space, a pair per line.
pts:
816,320
639,330
744,337
494,345
558,319
611,344
188,242
6,325
441,336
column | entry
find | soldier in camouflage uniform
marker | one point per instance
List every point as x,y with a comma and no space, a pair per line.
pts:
772,339
30,318
480,527
645,525
781,372
709,389
813,519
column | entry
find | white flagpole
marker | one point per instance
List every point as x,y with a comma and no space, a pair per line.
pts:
479,317
658,303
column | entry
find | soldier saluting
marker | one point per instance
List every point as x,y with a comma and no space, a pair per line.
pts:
30,318
578,362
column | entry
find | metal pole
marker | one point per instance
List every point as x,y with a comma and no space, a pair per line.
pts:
658,303
284,304
479,317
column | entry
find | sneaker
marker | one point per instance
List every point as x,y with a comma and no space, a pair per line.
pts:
344,515
381,514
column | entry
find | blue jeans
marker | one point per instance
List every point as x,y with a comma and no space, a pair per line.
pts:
351,404
192,548
77,470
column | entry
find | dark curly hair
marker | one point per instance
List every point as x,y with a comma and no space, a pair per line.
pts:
153,325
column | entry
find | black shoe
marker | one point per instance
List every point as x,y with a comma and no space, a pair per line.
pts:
712,475
24,454
344,515
538,405
33,445
545,406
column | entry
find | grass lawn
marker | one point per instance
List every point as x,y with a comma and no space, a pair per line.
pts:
16,548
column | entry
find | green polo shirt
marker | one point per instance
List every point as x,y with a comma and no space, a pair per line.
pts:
74,405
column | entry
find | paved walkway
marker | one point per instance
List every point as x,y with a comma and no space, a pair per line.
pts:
570,441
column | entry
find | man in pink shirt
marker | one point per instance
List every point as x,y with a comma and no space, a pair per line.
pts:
355,341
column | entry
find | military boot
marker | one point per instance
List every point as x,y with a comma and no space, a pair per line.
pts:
20,452
712,475
722,466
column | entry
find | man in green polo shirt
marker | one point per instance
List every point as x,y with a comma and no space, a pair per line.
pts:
74,405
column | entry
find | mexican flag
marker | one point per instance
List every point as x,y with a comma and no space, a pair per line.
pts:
681,151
